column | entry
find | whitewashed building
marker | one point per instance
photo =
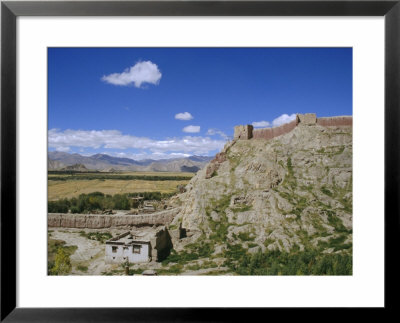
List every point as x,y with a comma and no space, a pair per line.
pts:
126,247
136,247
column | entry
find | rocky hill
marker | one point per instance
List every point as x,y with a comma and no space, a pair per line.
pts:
75,168
54,164
292,192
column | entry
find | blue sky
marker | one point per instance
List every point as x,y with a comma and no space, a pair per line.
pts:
172,102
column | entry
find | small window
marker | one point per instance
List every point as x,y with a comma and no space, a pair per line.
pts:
136,248
114,249
125,248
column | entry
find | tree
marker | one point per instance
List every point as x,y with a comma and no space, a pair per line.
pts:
60,206
62,263
121,202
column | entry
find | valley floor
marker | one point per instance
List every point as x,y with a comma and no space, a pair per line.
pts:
88,255
86,252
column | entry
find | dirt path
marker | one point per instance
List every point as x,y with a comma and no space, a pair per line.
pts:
90,253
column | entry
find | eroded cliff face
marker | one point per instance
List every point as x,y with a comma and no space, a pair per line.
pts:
291,191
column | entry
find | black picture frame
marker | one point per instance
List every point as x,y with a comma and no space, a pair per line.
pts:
10,10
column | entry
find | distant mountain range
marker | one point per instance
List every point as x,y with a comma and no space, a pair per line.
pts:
101,162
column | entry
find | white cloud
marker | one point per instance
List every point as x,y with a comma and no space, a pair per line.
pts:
213,132
114,139
191,129
284,118
141,72
183,116
261,124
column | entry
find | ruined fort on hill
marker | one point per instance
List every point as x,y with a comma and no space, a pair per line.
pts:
272,189
247,132
242,132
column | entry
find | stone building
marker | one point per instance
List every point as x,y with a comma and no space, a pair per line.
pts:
137,201
126,247
147,208
307,118
137,247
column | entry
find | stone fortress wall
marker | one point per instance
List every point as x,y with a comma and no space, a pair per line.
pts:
100,221
335,121
270,133
247,132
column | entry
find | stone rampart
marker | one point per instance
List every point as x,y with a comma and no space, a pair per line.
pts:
335,121
308,119
270,133
94,221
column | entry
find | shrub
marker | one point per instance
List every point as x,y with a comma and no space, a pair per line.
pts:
62,263
100,201
82,268
60,206
245,236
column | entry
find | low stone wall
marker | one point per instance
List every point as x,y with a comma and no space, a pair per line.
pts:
270,133
335,121
94,221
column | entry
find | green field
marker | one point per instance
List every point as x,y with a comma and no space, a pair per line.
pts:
72,185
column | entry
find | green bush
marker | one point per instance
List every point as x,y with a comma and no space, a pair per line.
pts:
62,263
100,201
60,206
121,202
245,236
82,268
307,262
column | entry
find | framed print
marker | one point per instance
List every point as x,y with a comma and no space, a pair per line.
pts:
224,148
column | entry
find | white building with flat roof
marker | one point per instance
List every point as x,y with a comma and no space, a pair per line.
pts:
140,246
126,247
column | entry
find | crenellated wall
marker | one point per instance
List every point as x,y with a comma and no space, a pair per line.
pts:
247,132
270,133
308,119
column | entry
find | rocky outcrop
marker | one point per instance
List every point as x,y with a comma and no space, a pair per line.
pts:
214,164
287,191
95,221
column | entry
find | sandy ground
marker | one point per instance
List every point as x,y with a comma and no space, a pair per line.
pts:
220,271
90,253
